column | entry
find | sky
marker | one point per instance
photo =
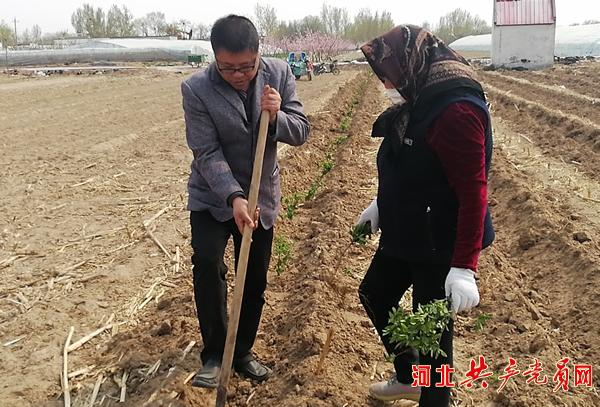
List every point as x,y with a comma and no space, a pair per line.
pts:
55,15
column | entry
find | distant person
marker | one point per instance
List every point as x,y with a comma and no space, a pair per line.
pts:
431,204
222,107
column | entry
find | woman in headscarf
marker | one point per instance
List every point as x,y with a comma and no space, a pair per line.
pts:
431,204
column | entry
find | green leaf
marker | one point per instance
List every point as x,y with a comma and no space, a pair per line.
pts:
361,233
421,330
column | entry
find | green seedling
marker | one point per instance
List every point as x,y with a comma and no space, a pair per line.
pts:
421,330
345,123
327,165
349,272
481,320
291,204
312,191
361,233
340,140
283,253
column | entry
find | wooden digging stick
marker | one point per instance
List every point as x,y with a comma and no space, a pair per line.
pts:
240,278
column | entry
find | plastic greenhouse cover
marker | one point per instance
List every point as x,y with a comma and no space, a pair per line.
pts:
113,50
583,40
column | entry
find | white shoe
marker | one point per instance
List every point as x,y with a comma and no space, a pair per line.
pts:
392,389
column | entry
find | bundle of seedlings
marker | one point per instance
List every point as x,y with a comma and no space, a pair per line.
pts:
421,330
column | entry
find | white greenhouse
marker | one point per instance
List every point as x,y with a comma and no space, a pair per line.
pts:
572,41
110,50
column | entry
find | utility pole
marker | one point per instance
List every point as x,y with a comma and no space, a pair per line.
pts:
16,42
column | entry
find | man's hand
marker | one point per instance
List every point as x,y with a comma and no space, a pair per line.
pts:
271,101
371,214
461,287
241,215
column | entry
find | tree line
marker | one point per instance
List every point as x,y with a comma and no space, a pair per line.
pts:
93,22
335,22
117,22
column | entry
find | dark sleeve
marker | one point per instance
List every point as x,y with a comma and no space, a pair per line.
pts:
233,196
458,139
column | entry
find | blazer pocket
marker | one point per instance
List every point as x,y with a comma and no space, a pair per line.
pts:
275,189
275,171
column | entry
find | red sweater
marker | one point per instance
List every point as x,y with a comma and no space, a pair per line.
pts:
457,137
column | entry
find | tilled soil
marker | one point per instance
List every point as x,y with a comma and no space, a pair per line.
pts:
87,159
579,77
538,282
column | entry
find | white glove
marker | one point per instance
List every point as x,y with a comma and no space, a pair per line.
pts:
462,289
371,214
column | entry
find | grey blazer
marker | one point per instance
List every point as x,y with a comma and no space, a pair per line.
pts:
223,141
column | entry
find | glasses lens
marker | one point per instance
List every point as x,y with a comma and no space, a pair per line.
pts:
243,69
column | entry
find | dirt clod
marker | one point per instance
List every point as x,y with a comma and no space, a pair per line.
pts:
164,303
537,345
163,329
581,237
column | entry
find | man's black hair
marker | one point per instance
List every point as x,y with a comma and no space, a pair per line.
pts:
234,34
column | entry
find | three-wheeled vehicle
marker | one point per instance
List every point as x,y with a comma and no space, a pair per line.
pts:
300,64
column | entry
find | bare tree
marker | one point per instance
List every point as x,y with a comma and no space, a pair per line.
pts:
152,24
311,24
460,23
367,25
31,36
265,19
335,20
25,37
89,21
181,29
36,34
157,23
172,29
141,26
201,31
6,34
119,22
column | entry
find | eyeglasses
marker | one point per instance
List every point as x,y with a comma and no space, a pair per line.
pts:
242,69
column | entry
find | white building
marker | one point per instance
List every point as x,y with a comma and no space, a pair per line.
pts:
523,33
571,41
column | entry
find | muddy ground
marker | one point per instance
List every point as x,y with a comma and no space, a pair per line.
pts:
89,159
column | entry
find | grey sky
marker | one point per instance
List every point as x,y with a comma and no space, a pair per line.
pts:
56,15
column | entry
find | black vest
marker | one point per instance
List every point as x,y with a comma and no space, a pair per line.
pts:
418,210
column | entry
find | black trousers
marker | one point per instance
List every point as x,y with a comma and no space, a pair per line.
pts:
385,283
209,239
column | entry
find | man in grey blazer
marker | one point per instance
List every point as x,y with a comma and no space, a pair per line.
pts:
222,106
